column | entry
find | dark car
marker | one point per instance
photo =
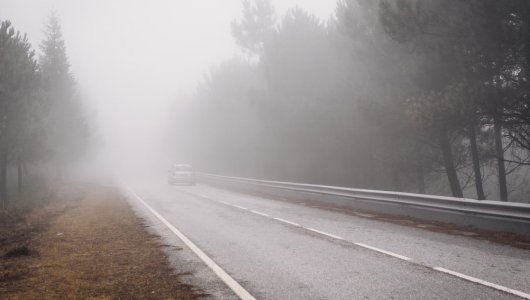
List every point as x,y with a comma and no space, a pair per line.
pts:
181,174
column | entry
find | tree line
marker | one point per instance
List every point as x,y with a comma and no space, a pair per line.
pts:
425,96
41,116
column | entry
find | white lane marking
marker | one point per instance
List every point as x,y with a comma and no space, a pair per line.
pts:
240,207
383,251
224,202
325,233
288,222
483,282
440,269
259,213
229,281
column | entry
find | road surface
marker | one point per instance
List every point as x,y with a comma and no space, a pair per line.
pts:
280,250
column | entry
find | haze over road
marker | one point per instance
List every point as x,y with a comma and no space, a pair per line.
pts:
414,106
280,250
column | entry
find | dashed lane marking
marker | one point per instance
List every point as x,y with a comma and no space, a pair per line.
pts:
260,213
240,207
325,233
288,222
402,257
383,251
483,282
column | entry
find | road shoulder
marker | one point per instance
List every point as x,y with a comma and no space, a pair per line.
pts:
86,242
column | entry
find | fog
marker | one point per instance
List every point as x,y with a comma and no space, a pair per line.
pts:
428,98
132,59
300,135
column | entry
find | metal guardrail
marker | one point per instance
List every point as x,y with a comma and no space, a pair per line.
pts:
483,214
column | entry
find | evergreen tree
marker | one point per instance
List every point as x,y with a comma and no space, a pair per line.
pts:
66,128
461,47
256,26
18,86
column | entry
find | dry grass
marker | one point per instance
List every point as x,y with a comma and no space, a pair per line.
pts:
86,244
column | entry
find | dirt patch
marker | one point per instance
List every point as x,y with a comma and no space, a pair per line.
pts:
18,251
85,242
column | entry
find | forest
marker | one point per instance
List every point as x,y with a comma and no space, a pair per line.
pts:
41,112
423,96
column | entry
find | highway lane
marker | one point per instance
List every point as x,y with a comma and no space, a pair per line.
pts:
275,259
497,263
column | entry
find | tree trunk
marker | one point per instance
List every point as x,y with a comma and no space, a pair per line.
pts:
396,180
3,178
25,169
58,171
420,178
450,169
476,162
19,175
366,178
499,151
420,173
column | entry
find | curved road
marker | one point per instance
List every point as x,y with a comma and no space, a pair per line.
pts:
282,250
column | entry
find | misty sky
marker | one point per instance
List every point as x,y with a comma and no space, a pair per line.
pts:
132,58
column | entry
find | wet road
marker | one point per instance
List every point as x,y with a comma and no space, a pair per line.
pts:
282,250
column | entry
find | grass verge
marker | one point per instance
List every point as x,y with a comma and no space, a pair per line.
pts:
35,193
85,242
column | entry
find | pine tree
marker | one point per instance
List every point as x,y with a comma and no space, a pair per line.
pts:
18,84
66,129
256,26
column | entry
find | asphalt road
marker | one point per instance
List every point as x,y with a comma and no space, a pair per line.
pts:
281,250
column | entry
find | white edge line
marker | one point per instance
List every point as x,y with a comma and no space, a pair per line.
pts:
383,251
288,222
483,282
224,202
227,279
259,213
244,294
325,233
